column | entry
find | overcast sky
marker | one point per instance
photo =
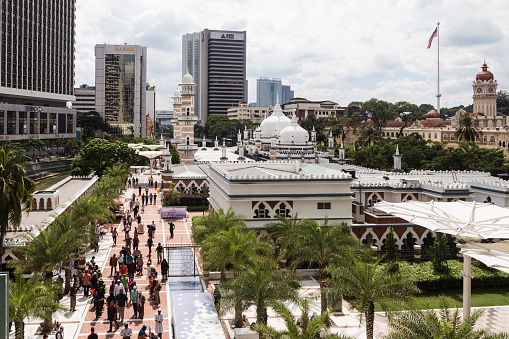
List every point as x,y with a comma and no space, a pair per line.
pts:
326,50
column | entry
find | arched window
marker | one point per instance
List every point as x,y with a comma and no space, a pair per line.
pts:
429,135
424,135
188,111
435,135
446,137
373,200
485,138
187,141
48,204
452,137
492,139
283,211
41,204
408,242
392,134
261,212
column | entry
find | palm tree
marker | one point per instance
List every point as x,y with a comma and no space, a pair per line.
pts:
467,128
280,232
306,328
260,284
215,222
417,324
370,135
315,244
31,297
363,283
15,189
232,250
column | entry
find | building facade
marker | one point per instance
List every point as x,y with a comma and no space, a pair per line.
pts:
222,83
322,109
37,70
245,112
85,99
191,63
268,92
120,81
288,94
150,110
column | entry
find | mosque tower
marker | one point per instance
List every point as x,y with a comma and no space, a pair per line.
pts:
186,119
485,92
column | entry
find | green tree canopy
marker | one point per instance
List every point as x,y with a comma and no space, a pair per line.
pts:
100,154
90,122
503,102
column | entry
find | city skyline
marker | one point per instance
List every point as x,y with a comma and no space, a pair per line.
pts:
340,52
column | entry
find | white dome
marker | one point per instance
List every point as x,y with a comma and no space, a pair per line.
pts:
187,79
176,93
294,133
275,123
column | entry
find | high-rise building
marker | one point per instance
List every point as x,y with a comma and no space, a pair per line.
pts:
85,98
287,94
220,74
150,110
268,91
37,69
120,87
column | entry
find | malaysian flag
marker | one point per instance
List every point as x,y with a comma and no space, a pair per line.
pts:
435,34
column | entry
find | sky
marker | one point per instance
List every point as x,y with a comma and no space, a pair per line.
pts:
335,50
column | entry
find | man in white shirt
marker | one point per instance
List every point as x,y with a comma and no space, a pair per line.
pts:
126,332
159,323
119,287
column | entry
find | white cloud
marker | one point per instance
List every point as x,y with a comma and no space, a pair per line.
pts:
336,50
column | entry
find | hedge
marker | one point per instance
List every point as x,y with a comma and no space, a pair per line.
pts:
427,280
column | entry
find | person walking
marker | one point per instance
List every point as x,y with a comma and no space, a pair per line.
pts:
141,305
143,200
121,299
92,334
85,282
139,189
114,235
134,300
157,288
131,269
72,294
136,241
139,262
150,198
149,244
60,333
113,264
159,251
164,269
142,334
158,318
112,315
172,228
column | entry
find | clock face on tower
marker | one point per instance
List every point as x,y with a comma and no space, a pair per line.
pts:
490,89
479,89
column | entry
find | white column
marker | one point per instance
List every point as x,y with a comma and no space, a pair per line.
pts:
467,284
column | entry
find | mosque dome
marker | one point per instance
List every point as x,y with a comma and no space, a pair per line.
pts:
176,93
294,133
275,123
433,114
484,74
187,79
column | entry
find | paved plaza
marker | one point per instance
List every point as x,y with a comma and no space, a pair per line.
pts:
194,314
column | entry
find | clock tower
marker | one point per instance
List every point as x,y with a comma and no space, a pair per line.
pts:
485,92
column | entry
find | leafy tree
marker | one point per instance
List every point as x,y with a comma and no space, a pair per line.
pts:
302,328
378,110
171,196
428,323
319,124
15,188
99,154
438,253
408,113
260,284
468,129
315,244
503,102
391,254
363,283
215,222
281,231
198,131
33,145
90,122
30,297
175,156
353,107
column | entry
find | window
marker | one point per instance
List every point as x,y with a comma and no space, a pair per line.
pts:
324,205
485,138
452,137
283,211
261,212
492,139
446,137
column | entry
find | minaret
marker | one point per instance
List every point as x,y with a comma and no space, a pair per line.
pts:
167,173
397,161
223,151
313,135
216,144
186,120
331,145
341,150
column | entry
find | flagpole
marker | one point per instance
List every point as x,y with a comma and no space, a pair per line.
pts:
438,67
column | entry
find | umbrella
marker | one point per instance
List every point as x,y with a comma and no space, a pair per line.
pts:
495,255
467,221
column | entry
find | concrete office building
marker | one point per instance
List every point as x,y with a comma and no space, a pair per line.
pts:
150,110
120,84
37,70
288,94
222,83
85,99
191,59
268,92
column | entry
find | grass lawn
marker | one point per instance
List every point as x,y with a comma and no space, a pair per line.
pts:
454,298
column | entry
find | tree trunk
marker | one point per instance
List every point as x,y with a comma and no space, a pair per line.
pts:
261,314
4,223
68,279
48,323
323,292
370,319
19,329
238,315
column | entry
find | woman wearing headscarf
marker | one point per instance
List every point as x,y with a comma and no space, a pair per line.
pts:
142,334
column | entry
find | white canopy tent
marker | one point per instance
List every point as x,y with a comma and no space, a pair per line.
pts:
467,221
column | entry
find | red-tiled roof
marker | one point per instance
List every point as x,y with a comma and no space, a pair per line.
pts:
435,123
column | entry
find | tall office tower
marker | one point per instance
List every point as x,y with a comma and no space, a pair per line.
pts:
85,99
191,59
288,94
37,69
120,87
150,110
222,82
268,91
